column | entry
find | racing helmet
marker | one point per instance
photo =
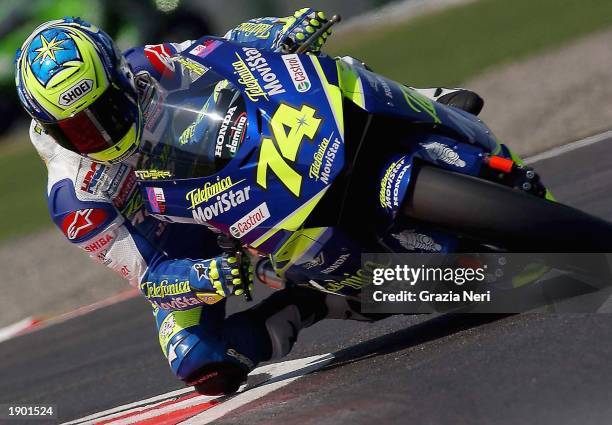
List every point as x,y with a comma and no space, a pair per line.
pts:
75,83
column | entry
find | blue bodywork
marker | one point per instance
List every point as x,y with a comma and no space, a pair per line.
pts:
265,202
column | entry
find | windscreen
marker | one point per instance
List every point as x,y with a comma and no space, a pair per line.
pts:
195,129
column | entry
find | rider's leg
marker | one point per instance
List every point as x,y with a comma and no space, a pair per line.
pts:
216,355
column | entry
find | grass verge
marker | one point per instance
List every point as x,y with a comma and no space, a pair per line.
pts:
444,48
23,206
451,46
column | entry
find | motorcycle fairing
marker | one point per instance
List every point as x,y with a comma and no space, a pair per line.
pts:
379,95
292,151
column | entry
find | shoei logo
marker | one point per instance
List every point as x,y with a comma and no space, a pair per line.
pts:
250,221
297,73
75,92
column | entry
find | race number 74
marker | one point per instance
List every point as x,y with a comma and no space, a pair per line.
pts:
289,127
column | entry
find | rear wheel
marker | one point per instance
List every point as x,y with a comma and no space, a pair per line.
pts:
507,218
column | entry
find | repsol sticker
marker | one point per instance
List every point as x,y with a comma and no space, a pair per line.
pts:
76,92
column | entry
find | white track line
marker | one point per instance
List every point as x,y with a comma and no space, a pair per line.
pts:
15,329
122,410
278,376
569,147
284,372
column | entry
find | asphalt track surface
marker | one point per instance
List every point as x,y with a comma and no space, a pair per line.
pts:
460,369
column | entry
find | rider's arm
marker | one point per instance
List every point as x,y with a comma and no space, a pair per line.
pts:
274,33
92,222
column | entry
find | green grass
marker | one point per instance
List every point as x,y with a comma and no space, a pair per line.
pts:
451,46
440,49
23,206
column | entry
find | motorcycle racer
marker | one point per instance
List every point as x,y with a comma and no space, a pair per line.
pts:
92,109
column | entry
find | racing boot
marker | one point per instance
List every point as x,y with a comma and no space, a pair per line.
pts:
215,354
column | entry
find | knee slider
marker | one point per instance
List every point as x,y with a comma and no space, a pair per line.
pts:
217,378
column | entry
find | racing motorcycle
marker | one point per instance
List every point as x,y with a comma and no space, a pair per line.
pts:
305,161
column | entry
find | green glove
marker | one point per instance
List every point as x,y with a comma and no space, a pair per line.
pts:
302,25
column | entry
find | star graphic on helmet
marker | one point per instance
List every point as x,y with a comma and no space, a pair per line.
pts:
48,49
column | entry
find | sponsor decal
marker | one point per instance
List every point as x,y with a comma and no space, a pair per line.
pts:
319,260
92,177
355,281
99,244
223,203
336,264
375,80
297,73
209,190
172,356
75,92
177,303
412,241
127,191
233,131
443,153
113,187
390,184
102,257
256,63
187,134
157,200
153,174
255,29
386,88
79,223
150,99
323,159
191,68
164,289
133,208
209,298
202,271
206,48
160,57
241,358
223,130
237,133
419,103
248,81
167,327
250,221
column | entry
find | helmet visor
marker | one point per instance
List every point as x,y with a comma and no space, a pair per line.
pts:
99,127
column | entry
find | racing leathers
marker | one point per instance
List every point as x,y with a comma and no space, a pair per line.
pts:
99,208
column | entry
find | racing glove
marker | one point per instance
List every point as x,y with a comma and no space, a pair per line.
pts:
301,26
221,276
208,282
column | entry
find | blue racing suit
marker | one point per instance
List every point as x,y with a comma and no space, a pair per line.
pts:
99,208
